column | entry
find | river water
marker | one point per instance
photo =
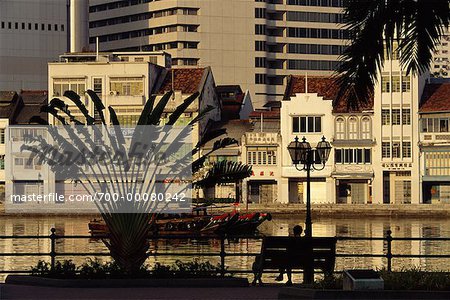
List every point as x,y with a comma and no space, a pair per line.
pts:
362,227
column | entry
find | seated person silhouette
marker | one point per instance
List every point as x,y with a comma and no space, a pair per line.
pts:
297,230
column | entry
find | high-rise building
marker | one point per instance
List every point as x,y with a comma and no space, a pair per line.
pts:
31,34
253,43
441,56
35,32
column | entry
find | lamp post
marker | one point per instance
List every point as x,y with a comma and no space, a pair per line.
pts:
312,159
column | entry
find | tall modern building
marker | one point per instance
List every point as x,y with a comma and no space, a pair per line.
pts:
31,34
35,32
441,56
253,43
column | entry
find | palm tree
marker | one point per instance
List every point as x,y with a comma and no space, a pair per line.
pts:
373,25
128,231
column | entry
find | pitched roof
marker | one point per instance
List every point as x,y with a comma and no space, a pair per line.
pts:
32,102
186,80
8,102
325,87
342,106
435,98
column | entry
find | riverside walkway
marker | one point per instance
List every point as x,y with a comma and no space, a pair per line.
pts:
9,291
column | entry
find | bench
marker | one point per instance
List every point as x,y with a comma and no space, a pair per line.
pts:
287,253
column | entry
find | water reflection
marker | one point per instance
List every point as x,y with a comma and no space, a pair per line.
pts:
369,227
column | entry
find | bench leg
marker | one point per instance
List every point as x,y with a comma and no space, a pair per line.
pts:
308,275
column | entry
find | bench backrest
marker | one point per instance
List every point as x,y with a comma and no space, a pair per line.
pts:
296,252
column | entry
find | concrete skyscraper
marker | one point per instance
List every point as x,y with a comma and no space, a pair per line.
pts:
31,34
252,43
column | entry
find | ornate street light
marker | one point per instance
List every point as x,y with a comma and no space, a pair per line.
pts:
311,159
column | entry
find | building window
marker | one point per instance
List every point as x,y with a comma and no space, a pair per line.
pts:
127,86
385,84
435,125
443,125
385,149
260,13
260,46
261,156
396,150
128,120
260,78
406,83
353,128
260,62
2,162
385,117
260,29
98,86
366,130
406,116
395,83
406,149
352,156
60,86
396,117
18,161
307,124
340,128
2,136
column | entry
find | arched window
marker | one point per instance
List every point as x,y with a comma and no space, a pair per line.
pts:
340,128
366,128
353,128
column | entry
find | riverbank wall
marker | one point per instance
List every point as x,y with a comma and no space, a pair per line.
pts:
318,210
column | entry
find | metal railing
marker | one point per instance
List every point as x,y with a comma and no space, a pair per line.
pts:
222,254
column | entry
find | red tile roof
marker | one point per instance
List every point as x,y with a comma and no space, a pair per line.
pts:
435,98
186,80
325,87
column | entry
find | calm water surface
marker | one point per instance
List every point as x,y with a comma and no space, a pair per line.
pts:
363,227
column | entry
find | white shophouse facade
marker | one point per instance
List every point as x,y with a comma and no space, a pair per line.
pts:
306,112
435,143
396,161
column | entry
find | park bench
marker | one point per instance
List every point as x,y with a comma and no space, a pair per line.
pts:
307,254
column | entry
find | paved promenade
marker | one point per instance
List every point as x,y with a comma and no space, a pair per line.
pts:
9,291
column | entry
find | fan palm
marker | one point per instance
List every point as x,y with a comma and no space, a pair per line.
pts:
416,25
127,241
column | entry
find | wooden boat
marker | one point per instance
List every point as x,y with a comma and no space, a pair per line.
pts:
192,224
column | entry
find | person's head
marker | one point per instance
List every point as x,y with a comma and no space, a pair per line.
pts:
298,230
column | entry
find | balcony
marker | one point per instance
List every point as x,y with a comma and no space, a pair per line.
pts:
435,138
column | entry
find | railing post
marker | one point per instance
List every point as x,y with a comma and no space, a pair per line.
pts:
222,255
389,250
52,248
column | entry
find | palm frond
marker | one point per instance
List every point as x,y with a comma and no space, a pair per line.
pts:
182,108
77,101
225,172
99,107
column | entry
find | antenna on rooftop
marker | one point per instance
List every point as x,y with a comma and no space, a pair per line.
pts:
96,48
173,79
306,83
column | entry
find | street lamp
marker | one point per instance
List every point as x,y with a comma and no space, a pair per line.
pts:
312,159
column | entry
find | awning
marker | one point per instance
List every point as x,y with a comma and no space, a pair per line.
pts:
352,176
